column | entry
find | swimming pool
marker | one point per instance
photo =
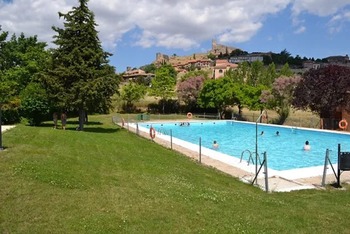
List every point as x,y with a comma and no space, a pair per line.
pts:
284,152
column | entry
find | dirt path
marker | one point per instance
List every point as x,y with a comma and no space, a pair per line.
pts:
6,127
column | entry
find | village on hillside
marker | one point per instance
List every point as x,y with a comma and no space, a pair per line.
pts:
221,58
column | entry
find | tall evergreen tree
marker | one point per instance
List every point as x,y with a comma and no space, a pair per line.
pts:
80,78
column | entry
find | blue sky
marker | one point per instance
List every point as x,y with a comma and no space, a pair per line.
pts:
135,30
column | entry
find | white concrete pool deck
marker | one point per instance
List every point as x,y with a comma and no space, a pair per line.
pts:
278,181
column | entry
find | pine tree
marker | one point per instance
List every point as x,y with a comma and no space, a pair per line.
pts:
80,78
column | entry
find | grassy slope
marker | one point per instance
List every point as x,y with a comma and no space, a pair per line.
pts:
108,180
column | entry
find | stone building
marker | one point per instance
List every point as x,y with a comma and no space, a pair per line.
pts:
217,49
221,66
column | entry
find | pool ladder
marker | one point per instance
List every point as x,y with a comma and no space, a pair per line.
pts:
250,158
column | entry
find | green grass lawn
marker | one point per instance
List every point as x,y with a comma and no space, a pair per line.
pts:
107,180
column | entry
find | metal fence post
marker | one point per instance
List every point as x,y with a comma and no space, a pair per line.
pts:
200,150
127,122
325,168
1,148
266,174
171,139
338,174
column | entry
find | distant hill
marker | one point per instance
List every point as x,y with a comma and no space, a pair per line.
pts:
236,55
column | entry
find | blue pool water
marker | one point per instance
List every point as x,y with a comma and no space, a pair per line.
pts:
284,151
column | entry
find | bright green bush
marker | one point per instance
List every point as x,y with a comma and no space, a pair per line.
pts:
34,104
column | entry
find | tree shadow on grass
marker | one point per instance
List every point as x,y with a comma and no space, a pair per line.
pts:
88,123
43,125
96,130
90,127
59,125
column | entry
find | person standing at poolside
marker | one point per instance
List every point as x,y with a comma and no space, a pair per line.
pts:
64,120
307,146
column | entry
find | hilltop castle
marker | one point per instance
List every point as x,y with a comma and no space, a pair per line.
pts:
216,49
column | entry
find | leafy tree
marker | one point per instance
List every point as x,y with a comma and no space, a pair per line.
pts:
284,56
243,71
21,59
267,59
7,87
211,56
143,80
249,96
270,75
34,103
281,58
80,78
149,68
281,96
132,93
196,73
298,61
324,90
249,81
285,71
163,83
256,73
238,52
217,94
188,90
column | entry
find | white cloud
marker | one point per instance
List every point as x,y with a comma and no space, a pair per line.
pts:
166,23
341,17
300,30
337,22
321,8
34,17
172,24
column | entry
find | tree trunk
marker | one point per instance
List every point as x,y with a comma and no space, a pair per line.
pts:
86,117
283,115
82,117
240,111
221,112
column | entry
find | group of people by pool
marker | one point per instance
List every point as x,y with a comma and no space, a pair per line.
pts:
184,124
306,147
277,133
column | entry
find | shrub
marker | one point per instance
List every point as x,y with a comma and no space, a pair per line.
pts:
34,104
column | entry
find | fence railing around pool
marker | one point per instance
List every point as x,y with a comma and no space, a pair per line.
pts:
309,121
250,158
343,165
125,123
263,164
